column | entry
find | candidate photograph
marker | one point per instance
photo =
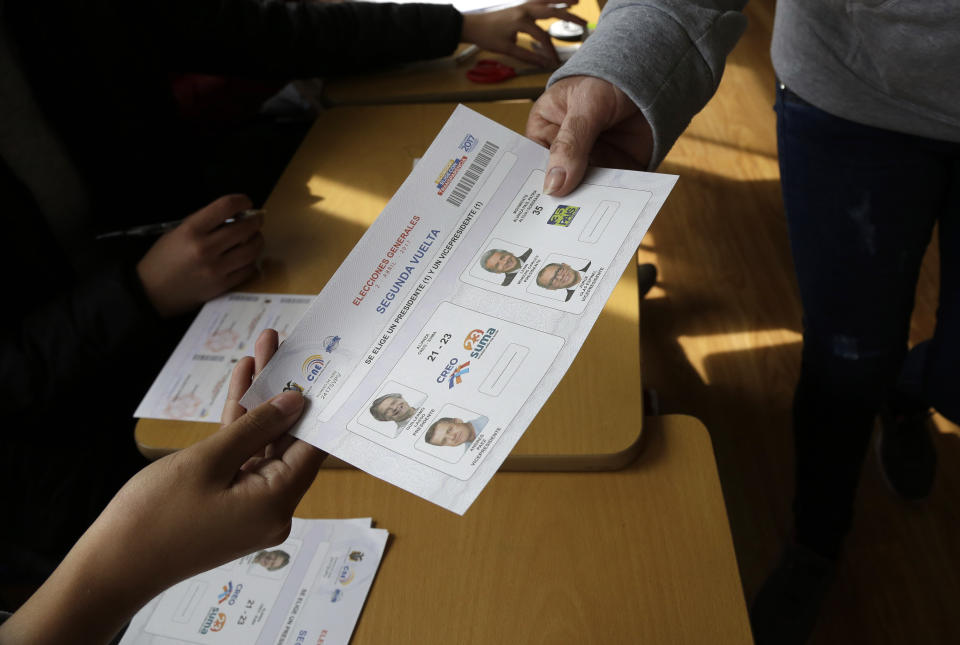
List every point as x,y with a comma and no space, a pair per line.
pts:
504,263
560,277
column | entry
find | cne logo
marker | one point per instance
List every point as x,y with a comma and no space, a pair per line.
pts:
457,377
356,556
313,367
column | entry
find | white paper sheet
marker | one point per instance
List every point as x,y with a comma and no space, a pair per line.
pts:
420,319
192,386
315,596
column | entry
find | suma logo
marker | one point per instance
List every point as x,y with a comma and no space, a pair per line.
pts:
219,623
213,621
457,377
313,367
472,338
479,345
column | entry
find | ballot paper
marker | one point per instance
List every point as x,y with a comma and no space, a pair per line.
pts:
193,384
459,310
310,589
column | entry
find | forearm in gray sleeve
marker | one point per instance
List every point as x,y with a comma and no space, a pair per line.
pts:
666,55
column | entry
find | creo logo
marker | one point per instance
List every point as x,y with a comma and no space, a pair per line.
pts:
229,592
457,377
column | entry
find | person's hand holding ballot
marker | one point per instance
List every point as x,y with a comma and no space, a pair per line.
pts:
228,495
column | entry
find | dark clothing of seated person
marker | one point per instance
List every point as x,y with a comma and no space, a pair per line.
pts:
90,142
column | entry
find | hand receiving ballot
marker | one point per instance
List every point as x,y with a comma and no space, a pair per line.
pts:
459,311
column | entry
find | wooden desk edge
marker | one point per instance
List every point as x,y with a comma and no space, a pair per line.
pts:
513,463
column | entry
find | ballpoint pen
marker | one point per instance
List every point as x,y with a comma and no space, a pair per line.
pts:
466,54
148,230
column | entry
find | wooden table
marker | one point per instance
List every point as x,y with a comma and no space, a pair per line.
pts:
348,167
640,555
443,80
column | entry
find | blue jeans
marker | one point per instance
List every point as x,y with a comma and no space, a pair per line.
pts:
861,204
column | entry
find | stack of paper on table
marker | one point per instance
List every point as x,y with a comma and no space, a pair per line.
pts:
309,589
192,386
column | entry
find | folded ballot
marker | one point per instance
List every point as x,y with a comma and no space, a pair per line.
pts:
310,589
445,330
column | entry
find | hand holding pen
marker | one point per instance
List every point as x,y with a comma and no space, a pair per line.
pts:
201,257
159,228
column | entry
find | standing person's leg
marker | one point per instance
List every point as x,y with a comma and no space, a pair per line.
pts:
860,204
941,374
929,377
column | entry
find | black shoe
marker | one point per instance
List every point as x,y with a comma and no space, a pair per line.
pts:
785,610
907,456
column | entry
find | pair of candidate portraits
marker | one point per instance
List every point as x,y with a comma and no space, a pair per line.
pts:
445,431
450,431
553,276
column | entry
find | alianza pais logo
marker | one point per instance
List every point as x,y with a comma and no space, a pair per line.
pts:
313,367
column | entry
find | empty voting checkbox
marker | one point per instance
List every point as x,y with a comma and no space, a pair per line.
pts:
504,369
188,603
598,221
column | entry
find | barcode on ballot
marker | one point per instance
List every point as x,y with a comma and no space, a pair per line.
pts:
470,178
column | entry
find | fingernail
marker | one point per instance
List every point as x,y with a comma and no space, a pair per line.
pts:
555,179
288,403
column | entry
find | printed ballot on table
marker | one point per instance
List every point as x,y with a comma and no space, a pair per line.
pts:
459,310
192,386
310,589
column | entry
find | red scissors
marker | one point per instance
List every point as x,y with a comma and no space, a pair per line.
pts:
490,71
